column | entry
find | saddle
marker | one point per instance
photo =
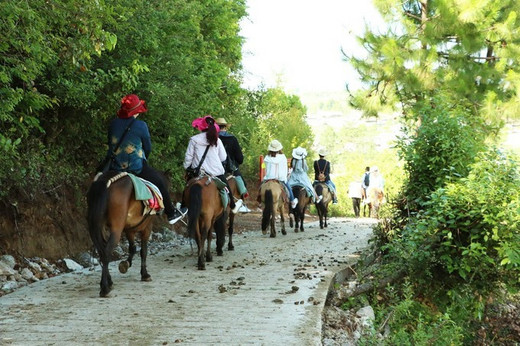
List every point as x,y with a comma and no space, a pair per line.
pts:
145,191
221,186
285,192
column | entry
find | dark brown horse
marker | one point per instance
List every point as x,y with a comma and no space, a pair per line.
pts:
299,212
271,195
323,206
234,191
112,211
205,213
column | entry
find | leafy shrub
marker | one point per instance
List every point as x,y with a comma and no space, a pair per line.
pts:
470,229
440,149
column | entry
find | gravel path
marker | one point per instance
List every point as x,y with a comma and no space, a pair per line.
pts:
266,292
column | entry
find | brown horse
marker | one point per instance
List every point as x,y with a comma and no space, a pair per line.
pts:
205,213
323,206
234,191
112,211
299,212
271,194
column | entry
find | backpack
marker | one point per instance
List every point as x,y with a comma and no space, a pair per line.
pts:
321,174
367,179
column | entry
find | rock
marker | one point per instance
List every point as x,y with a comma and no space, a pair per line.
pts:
86,260
366,316
8,260
27,274
6,269
10,286
72,265
34,266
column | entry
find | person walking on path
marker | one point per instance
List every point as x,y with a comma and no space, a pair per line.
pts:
276,168
355,191
129,146
299,174
207,141
322,172
234,159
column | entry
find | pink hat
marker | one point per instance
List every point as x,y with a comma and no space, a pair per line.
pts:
201,124
131,105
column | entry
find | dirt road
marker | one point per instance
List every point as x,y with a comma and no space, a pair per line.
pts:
266,292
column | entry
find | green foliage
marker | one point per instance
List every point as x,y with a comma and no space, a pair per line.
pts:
279,116
474,224
65,66
439,150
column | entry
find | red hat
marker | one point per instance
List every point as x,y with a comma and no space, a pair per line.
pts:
131,105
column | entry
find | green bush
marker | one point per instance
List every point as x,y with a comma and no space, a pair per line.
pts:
469,231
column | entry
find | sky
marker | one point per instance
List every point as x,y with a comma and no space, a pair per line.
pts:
296,44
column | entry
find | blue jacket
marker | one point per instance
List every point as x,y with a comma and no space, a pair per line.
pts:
134,149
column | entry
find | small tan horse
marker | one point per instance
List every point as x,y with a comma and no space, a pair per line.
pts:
205,213
375,198
299,212
323,206
113,211
271,195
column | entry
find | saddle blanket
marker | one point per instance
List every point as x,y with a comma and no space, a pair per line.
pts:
148,193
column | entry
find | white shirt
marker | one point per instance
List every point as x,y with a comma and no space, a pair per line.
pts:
354,190
276,167
212,164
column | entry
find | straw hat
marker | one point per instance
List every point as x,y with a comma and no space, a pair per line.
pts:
299,153
322,152
275,146
221,122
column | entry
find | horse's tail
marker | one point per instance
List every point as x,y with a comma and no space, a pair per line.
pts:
268,209
97,199
194,208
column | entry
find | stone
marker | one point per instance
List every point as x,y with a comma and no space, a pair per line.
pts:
72,265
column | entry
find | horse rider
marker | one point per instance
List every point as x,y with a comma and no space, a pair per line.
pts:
129,145
234,156
276,168
376,180
365,181
299,176
209,139
323,166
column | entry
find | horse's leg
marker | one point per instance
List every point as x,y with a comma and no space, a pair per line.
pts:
124,265
209,256
282,220
201,237
325,216
302,216
230,232
220,230
106,280
272,222
319,206
145,236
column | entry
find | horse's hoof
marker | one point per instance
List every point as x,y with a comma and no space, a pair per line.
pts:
272,235
230,248
264,232
104,293
284,232
146,278
220,253
296,230
123,266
